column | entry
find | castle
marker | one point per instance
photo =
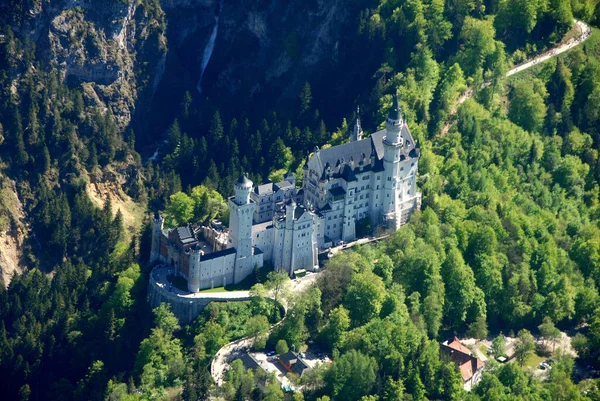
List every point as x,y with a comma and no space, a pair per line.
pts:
370,180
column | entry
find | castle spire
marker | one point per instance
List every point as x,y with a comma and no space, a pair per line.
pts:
394,122
394,114
356,134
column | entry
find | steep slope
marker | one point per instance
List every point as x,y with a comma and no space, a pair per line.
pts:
113,48
12,231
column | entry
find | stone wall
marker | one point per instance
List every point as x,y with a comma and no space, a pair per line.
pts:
187,307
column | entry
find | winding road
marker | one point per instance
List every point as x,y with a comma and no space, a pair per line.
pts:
224,356
584,33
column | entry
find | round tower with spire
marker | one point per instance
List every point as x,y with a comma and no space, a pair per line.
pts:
392,146
242,188
393,124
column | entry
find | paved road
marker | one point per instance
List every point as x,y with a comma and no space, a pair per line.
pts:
584,33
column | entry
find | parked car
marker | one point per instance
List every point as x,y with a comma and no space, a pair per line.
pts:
270,353
544,366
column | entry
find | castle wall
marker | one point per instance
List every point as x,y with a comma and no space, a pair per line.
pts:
187,308
217,272
263,237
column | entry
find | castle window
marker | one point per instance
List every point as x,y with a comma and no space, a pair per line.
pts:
378,178
412,164
389,178
401,168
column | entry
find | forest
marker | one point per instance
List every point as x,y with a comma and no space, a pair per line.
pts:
508,239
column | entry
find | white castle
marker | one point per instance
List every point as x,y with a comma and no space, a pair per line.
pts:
371,180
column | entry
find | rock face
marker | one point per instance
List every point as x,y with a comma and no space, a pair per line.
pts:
113,46
118,48
263,39
263,54
13,231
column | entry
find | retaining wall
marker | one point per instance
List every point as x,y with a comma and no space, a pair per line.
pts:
186,308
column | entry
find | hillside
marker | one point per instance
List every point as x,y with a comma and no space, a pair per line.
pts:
113,110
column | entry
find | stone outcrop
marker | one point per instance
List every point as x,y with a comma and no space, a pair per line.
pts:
115,47
13,231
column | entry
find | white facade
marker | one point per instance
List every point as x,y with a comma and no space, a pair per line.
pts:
371,180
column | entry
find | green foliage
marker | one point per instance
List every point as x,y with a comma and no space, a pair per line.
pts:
180,210
499,346
351,376
159,362
507,236
281,347
364,297
524,346
202,205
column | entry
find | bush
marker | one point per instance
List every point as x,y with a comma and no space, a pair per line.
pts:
281,347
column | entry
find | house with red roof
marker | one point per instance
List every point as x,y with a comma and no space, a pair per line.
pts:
470,367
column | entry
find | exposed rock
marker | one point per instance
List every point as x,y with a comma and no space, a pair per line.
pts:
13,231
101,44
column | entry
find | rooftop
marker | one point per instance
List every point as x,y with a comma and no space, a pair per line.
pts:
293,362
462,356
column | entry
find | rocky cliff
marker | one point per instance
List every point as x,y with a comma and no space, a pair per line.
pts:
261,51
113,48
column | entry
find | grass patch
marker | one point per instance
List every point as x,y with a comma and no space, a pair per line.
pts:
533,361
243,285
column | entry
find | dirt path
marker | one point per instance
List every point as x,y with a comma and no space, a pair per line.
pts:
584,33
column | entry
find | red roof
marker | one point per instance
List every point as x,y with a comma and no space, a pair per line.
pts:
463,357
456,345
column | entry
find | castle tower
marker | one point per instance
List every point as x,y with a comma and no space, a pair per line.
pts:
392,145
241,210
157,226
288,237
356,134
194,270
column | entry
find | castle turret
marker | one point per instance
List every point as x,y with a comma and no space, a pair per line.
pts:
194,269
288,238
242,187
392,145
241,210
394,122
356,134
157,226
